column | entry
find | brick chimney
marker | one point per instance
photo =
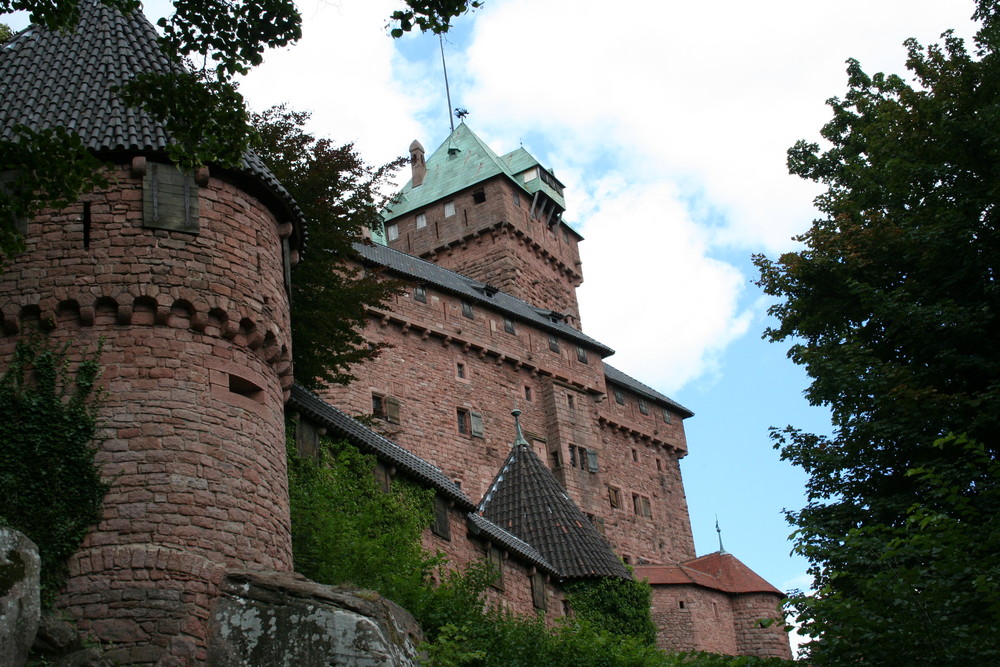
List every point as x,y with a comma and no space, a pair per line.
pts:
417,166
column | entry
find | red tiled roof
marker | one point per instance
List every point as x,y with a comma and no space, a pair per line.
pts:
719,571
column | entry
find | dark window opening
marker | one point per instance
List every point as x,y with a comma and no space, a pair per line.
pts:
467,310
635,455
619,396
572,455
666,416
527,393
496,560
553,343
570,401
581,355
86,225
479,196
460,370
508,325
462,421
420,293
245,387
643,406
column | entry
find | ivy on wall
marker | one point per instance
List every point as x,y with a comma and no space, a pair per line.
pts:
52,489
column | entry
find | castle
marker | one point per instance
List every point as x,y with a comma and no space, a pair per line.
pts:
185,277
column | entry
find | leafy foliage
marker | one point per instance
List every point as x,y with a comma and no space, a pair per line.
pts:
5,32
346,530
52,490
429,15
618,606
340,197
892,307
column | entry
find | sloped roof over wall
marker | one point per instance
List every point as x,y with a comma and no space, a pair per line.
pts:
67,79
526,500
462,161
616,376
718,571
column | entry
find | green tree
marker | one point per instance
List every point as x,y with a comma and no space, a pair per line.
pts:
893,308
5,32
340,197
212,42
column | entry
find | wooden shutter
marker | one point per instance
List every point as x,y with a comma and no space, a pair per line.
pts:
169,199
591,460
392,409
477,424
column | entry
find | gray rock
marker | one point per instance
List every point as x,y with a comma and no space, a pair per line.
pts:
279,618
20,602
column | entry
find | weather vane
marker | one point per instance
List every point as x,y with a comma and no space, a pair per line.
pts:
461,113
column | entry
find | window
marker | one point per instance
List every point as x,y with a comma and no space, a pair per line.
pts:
383,477
640,505
570,401
591,460
392,232
476,424
449,209
598,522
495,557
517,198
307,439
421,220
565,235
572,455
626,559
527,393
460,370
385,407
556,459
462,417
479,196
553,343
441,526
467,310
659,465
643,406
538,591
508,325
614,497
619,396
581,355
635,455
169,199
666,416
420,293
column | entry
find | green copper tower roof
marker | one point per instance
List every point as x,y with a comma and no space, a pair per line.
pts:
464,160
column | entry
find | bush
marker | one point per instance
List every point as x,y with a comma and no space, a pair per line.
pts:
619,606
52,490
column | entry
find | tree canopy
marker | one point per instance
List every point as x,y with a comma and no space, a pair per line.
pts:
893,308
340,197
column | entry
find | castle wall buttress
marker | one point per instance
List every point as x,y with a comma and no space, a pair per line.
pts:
195,368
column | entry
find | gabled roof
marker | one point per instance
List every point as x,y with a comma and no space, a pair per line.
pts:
617,377
483,527
367,440
526,500
67,79
422,271
462,161
720,571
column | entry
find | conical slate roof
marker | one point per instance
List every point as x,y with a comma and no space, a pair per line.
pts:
527,501
67,79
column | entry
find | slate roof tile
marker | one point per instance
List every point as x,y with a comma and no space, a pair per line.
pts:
719,571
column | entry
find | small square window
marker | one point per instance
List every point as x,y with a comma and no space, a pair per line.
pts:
508,325
449,209
640,504
581,355
392,232
643,406
467,310
385,407
460,370
479,196
462,421
553,343
420,293
421,220
619,396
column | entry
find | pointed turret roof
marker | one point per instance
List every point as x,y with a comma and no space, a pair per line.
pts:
68,79
527,501
461,161
719,571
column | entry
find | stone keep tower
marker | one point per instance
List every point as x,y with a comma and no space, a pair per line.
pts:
184,277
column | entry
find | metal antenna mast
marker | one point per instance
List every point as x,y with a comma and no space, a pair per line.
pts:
447,90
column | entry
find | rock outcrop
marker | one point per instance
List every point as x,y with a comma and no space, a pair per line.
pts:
280,618
20,601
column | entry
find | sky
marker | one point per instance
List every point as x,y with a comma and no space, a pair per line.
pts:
668,122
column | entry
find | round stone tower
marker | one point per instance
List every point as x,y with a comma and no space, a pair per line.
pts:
184,277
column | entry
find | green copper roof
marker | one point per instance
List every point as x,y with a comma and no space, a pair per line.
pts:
460,162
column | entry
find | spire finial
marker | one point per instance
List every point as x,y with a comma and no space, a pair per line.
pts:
722,549
519,437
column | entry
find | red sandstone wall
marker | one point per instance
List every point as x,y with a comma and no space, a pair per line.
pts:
691,618
197,471
499,243
755,638
428,342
